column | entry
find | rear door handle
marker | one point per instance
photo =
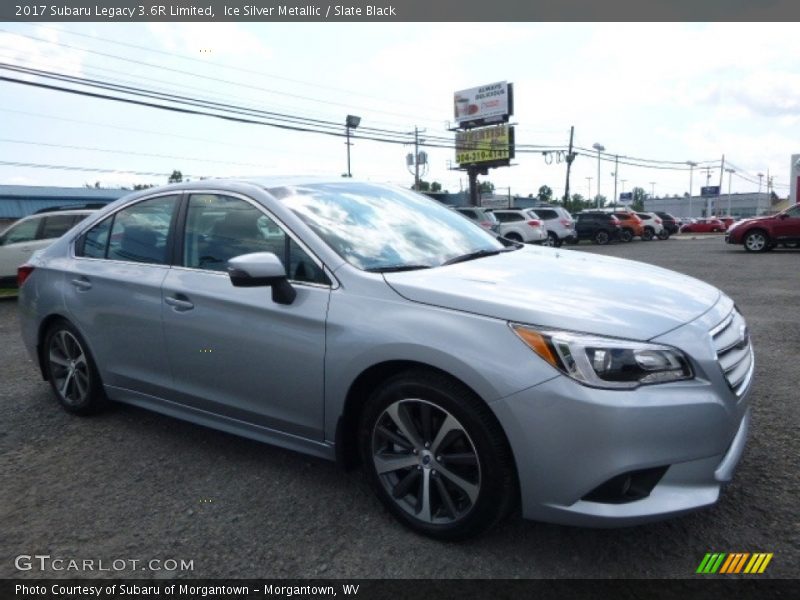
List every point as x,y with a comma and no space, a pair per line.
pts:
82,284
179,304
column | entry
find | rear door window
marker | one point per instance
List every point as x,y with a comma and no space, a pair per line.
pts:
55,226
21,232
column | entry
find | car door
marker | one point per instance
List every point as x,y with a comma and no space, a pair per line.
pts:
788,227
232,350
112,292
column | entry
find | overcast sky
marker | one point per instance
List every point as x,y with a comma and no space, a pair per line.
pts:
668,92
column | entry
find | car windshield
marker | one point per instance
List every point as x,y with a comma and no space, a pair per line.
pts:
379,227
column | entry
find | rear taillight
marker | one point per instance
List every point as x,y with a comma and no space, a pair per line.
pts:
535,223
566,222
486,224
23,273
658,221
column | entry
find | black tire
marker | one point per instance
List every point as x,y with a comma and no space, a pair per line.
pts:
571,240
552,240
71,370
601,237
480,459
626,235
514,237
664,235
756,241
648,234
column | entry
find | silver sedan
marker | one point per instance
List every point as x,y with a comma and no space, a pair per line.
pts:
468,374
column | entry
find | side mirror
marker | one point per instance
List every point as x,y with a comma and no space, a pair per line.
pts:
262,269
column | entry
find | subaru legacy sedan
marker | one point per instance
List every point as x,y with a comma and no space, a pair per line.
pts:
468,374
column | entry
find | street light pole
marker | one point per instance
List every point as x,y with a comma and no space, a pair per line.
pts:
351,122
616,171
589,180
730,176
652,189
600,148
760,177
692,165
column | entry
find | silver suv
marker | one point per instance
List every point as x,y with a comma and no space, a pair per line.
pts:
558,223
482,216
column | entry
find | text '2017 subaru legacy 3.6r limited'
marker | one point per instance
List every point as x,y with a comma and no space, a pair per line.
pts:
466,373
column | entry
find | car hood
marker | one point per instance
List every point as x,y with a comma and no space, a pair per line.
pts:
564,289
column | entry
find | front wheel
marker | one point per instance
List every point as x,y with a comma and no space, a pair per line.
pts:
626,235
515,237
756,241
71,370
663,235
436,456
552,240
647,234
601,237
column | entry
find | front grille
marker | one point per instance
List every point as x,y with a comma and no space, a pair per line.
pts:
734,351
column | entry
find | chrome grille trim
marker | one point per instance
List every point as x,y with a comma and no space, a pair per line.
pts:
734,351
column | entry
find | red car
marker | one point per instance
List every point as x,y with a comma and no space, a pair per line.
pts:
764,233
704,226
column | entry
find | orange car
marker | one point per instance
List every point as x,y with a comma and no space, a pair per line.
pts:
632,226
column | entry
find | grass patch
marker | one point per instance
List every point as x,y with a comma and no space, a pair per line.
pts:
8,292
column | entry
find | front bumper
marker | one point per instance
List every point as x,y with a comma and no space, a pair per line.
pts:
569,439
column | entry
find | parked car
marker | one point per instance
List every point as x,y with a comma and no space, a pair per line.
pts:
19,241
521,225
764,233
482,216
727,221
631,224
467,374
558,223
599,227
653,226
671,224
704,226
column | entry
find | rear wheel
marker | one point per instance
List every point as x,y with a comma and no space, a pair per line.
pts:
552,240
647,234
514,236
663,235
756,241
436,456
626,235
71,370
601,237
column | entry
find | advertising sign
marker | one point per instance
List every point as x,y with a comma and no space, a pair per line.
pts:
626,198
494,144
485,104
709,190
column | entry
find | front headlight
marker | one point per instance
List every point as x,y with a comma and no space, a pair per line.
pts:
606,362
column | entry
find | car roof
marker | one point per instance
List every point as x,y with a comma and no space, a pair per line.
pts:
54,213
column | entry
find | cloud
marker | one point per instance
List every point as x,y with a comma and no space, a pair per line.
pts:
21,50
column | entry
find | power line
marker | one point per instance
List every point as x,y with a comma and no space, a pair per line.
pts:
8,163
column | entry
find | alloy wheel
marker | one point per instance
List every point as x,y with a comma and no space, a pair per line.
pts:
426,461
755,241
69,368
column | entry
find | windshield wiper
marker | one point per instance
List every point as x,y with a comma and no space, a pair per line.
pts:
474,255
397,268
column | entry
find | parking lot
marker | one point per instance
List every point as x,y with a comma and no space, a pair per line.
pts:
130,484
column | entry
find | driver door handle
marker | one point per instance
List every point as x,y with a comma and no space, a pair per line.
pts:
179,302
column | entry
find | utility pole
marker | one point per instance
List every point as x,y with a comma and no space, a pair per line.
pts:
730,176
570,158
616,170
652,189
416,158
692,165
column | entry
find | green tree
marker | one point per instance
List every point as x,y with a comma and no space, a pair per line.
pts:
436,186
176,177
638,195
545,194
143,186
486,187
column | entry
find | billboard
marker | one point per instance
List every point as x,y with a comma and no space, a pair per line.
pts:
493,144
626,198
490,103
709,190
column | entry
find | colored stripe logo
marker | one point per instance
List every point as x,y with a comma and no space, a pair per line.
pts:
734,563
